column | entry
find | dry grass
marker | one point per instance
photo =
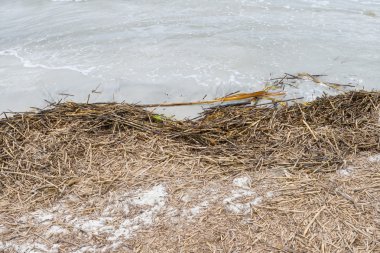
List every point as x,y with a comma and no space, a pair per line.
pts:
307,213
91,151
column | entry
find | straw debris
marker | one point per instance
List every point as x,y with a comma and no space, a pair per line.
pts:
308,185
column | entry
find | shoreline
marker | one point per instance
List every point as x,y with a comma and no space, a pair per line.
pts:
115,177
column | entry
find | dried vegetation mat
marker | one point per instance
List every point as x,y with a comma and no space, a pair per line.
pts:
115,177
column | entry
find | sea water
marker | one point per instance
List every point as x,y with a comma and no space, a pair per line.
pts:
150,51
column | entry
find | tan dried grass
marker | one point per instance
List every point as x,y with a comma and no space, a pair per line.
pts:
90,150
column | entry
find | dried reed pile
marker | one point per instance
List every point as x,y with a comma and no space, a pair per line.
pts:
318,135
88,150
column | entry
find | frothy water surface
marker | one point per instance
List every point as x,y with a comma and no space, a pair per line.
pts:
178,50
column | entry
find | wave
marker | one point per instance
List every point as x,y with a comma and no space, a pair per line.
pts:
28,64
